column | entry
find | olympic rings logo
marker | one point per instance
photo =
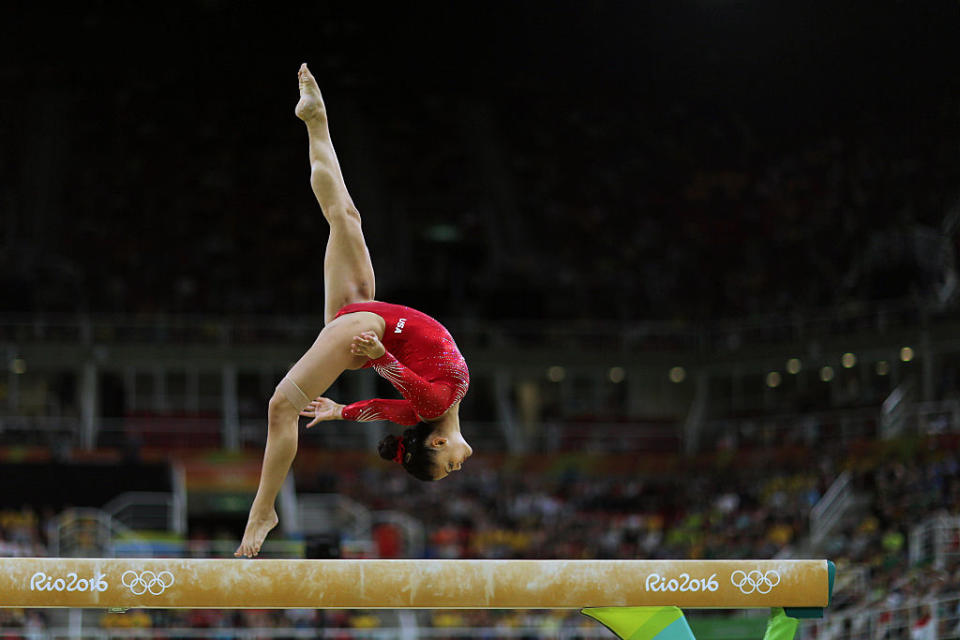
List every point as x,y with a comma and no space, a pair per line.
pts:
755,581
148,581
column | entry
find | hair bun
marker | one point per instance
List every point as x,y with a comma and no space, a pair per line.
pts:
388,447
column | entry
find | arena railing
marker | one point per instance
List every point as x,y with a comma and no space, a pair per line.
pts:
936,540
834,428
935,417
198,433
925,617
334,633
834,504
53,432
148,511
722,336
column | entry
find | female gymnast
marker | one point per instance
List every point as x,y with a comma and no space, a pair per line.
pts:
409,348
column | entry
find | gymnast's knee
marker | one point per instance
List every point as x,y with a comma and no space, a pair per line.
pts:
361,290
344,214
285,403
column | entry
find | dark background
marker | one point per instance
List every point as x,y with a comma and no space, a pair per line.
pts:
792,166
640,160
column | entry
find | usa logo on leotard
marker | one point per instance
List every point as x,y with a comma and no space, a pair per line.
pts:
755,581
148,581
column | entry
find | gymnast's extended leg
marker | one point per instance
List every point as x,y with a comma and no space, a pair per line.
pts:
347,270
348,277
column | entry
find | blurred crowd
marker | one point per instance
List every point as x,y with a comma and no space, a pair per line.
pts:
18,624
22,534
698,211
683,512
614,207
719,506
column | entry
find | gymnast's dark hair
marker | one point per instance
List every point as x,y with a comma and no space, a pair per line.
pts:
417,456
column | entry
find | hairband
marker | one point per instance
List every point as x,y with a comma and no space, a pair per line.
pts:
400,451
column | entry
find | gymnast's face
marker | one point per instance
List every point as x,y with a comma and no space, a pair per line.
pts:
451,452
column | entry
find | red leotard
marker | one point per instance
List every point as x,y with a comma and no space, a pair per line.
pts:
422,362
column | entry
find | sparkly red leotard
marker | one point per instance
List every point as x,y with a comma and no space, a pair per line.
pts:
422,361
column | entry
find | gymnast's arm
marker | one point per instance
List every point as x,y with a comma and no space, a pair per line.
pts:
398,411
427,399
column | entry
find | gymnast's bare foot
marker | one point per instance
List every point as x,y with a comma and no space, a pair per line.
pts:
258,526
311,105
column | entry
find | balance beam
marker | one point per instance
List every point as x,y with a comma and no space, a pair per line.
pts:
410,584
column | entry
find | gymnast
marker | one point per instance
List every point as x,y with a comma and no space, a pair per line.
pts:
409,348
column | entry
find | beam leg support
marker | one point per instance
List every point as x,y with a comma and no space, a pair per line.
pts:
643,623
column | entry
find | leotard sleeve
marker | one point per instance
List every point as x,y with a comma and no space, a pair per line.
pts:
426,399
398,411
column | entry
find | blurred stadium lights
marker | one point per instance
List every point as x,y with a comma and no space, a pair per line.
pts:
883,368
826,373
556,373
848,360
678,374
906,354
773,379
616,374
18,366
793,366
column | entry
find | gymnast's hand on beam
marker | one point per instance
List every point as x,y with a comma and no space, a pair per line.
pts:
321,410
367,344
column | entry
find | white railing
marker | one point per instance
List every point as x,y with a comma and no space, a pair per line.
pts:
164,431
853,583
924,618
835,427
332,512
936,417
838,427
719,336
343,435
147,511
90,533
935,540
831,507
40,430
598,436
893,411
934,617
921,617
594,632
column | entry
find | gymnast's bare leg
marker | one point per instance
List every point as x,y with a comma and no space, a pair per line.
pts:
348,278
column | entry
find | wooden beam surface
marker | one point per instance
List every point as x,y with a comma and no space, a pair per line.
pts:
410,584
